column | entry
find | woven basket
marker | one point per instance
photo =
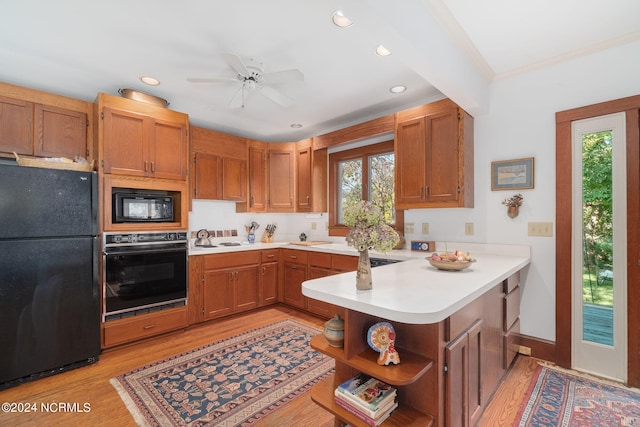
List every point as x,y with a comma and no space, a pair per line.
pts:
42,163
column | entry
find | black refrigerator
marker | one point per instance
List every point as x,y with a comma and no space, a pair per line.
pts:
49,296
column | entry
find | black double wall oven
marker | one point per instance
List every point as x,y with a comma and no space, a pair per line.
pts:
143,272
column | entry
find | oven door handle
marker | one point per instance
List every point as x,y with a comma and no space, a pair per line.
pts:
121,251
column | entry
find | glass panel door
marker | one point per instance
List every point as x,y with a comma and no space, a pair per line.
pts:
599,254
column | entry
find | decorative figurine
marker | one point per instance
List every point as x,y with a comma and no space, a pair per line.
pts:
381,337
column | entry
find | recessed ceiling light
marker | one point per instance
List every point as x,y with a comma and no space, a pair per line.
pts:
296,125
398,89
150,80
382,51
340,20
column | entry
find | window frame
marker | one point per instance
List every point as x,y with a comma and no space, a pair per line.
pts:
363,153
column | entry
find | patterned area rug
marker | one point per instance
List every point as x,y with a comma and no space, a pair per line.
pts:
558,398
234,382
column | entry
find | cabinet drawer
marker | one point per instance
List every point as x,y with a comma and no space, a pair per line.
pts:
510,309
511,282
292,255
510,344
135,328
231,259
270,255
319,259
344,263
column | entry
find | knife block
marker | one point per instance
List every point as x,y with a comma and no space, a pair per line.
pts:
266,238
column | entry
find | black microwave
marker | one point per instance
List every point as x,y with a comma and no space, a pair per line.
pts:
139,207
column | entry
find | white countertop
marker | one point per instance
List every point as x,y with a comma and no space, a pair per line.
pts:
415,292
411,291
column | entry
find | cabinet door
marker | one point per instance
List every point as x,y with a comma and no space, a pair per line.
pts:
457,382
257,178
207,177
125,143
218,293
234,179
294,275
444,169
16,126
463,380
281,180
60,132
168,150
246,287
269,283
321,308
303,177
411,161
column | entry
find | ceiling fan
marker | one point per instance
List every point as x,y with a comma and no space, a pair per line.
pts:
251,76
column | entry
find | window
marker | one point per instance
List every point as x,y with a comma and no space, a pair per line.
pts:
365,173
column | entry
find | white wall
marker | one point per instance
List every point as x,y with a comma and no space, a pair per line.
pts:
521,123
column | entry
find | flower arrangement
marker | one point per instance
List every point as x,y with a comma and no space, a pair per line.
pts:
368,230
514,201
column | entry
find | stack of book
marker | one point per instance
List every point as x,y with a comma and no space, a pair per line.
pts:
368,398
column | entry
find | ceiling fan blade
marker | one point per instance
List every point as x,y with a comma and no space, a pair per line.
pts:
212,80
236,63
238,99
285,76
276,96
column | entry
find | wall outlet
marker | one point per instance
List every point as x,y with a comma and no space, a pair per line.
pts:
425,228
468,228
408,228
314,225
540,229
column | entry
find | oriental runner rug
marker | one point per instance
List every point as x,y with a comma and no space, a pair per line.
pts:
557,397
234,382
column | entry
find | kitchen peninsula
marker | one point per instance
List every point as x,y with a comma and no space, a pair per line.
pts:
455,335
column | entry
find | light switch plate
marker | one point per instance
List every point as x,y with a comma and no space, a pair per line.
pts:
540,229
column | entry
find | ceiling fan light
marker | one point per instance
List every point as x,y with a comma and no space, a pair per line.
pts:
398,89
340,20
382,51
151,81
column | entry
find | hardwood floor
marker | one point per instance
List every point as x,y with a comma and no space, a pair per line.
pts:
91,385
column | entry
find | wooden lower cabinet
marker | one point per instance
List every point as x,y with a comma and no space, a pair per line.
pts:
463,359
269,274
223,284
294,274
315,306
122,331
230,283
448,369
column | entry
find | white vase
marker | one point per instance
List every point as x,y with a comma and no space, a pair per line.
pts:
363,275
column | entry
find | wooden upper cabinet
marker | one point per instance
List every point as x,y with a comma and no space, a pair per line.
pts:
60,132
234,179
258,179
168,150
36,123
206,174
434,157
16,126
281,174
304,165
139,139
124,143
219,167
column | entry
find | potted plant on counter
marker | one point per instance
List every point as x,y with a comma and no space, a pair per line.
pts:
368,231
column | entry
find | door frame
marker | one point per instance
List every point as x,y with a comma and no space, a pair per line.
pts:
564,187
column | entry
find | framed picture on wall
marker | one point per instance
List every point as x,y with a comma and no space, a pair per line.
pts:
512,174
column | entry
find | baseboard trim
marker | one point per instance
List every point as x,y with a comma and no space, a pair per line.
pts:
540,349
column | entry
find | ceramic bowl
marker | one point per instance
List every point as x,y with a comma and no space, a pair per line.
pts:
449,265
